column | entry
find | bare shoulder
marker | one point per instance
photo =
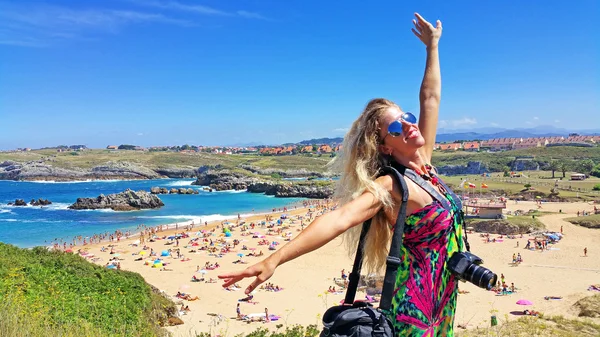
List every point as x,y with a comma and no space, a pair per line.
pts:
390,185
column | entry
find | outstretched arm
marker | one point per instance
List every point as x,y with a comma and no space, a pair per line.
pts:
431,87
321,231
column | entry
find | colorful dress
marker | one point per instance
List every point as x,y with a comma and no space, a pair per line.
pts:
425,292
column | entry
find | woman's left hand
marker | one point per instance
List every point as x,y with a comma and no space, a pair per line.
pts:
426,32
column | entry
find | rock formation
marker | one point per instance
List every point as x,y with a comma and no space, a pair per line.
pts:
124,201
223,180
40,202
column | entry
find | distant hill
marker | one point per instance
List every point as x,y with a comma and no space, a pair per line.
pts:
328,141
446,135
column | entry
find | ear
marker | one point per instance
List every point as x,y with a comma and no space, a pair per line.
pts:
384,149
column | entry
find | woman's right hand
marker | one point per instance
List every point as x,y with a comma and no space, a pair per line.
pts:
262,270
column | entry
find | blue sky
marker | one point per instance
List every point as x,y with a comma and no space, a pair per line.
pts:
158,72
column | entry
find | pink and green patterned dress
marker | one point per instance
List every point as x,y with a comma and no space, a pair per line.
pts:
425,292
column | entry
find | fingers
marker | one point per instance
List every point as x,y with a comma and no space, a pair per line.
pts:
416,33
235,277
420,18
253,285
438,24
417,26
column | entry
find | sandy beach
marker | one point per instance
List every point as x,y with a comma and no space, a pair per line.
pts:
561,271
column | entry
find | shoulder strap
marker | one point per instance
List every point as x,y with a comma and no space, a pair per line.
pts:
393,259
412,175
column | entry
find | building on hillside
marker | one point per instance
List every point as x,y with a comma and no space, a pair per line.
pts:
307,149
471,146
436,146
499,144
450,147
338,148
325,149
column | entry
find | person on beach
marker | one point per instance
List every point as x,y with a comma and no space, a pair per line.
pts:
384,135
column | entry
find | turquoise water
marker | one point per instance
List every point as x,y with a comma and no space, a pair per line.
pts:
31,226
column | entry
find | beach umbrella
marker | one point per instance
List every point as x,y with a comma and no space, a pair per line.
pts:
524,302
240,255
203,271
116,254
164,253
171,237
143,253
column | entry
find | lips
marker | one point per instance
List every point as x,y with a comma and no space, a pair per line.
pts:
412,133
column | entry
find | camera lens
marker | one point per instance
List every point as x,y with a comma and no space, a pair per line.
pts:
480,276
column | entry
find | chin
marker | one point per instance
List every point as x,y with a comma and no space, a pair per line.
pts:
417,142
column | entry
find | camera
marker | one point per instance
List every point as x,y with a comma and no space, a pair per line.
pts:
467,267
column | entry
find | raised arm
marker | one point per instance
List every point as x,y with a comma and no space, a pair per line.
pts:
321,231
431,87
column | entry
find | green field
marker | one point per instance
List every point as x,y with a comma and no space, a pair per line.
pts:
90,158
541,181
60,294
498,160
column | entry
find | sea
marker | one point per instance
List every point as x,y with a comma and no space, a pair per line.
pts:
29,226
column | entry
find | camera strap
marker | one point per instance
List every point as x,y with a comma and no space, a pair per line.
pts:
393,259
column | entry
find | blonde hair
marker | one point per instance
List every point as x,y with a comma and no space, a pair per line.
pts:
360,163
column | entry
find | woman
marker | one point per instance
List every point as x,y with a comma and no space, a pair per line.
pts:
425,294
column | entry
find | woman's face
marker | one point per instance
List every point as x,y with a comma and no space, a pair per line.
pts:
410,140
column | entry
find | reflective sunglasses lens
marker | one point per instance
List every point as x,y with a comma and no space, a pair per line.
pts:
395,129
409,118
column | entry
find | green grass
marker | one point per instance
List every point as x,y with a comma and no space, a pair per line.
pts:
48,293
91,158
511,225
541,181
589,221
556,326
498,160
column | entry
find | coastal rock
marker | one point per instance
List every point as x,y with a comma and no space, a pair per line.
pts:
223,179
182,190
304,191
177,172
40,202
292,173
20,202
293,190
124,201
472,167
124,169
43,171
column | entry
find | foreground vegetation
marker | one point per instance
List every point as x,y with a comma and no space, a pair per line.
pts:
48,293
589,221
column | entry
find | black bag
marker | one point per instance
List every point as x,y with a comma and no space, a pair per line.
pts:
361,319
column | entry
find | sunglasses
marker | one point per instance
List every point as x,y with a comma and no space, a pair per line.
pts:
395,127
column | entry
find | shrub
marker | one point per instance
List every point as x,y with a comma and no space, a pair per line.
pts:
596,187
